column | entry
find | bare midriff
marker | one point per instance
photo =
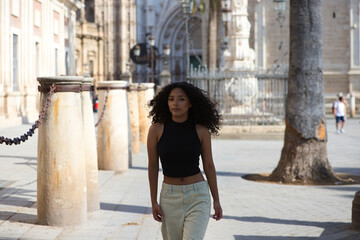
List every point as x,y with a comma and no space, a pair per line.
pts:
184,180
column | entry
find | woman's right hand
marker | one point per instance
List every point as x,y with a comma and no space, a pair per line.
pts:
157,213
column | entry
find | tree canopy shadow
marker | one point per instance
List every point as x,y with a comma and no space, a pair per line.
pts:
330,228
245,237
344,179
125,208
18,217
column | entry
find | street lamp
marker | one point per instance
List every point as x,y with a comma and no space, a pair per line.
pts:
280,8
137,51
166,51
165,76
187,6
226,17
141,56
151,42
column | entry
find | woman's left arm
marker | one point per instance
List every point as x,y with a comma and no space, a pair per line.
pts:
209,169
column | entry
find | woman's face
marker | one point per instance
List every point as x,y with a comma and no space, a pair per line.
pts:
179,104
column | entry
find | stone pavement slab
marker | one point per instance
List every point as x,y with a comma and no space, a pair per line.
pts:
251,210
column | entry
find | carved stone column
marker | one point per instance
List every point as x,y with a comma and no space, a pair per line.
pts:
242,55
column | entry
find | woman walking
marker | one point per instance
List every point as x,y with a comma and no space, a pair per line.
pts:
183,118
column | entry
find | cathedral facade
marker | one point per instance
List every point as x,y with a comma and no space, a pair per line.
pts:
253,30
105,32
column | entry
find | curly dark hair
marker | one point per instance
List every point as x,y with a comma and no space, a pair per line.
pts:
203,110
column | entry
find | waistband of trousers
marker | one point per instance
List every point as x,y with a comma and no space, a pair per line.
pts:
185,188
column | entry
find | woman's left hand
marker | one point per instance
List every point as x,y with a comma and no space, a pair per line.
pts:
218,211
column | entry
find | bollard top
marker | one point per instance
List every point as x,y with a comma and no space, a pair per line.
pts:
357,194
60,80
87,81
133,86
146,85
101,85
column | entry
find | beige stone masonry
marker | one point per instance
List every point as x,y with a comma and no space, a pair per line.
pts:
92,178
113,130
134,117
145,94
61,176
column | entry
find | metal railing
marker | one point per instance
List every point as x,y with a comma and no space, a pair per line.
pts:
245,97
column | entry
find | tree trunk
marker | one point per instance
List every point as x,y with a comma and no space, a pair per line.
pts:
304,156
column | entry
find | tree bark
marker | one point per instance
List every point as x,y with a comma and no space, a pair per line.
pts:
304,156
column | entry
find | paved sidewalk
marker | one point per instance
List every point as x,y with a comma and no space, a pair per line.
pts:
252,210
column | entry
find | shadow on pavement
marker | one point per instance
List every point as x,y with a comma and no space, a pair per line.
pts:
125,208
8,195
244,237
18,217
230,174
138,168
21,157
344,188
329,227
354,171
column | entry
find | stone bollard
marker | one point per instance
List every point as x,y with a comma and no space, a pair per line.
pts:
134,117
113,129
145,94
89,139
352,105
61,175
355,218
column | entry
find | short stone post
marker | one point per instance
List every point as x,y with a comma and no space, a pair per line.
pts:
165,77
89,139
145,94
352,105
134,117
61,179
355,217
113,129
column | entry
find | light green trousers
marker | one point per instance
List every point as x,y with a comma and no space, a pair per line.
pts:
186,210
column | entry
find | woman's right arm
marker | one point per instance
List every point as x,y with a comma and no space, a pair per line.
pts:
153,169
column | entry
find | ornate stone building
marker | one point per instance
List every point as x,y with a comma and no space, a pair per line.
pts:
37,39
105,32
164,19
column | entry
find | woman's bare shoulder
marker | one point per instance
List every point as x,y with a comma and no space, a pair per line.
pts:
156,129
201,127
157,126
202,131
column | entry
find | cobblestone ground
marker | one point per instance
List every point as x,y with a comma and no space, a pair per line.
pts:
252,210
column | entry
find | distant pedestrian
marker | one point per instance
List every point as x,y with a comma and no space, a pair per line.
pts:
339,110
183,118
95,104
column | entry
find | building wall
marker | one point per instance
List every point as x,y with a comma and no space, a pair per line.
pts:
339,47
105,39
31,30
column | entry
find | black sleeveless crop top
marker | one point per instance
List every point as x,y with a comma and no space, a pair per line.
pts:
179,149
